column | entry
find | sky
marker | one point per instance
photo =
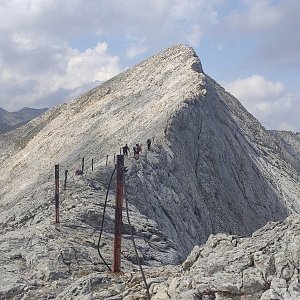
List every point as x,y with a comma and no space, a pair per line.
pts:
53,50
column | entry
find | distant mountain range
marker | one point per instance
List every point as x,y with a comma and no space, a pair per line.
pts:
12,120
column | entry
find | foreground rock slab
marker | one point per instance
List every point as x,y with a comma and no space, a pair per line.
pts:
265,266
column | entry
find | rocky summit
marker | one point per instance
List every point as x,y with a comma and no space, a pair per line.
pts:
213,175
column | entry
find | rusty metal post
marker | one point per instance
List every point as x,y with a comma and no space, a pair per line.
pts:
56,194
106,159
66,177
92,165
118,213
82,165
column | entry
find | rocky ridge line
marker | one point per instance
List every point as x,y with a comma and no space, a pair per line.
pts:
212,169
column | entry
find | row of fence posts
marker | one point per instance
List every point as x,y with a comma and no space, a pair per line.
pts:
82,169
56,171
118,206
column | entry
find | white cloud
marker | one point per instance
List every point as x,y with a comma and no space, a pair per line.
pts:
263,107
254,87
268,28
286,126
195,35
94,64
46,68
36,52
192,18
256,16
219,46
188,9
41,53
135,50
136,46
268,101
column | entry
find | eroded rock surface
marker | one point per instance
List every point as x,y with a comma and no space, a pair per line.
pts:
212,168
264,266
289,143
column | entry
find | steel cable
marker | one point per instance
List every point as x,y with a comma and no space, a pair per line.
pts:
102,223
134,245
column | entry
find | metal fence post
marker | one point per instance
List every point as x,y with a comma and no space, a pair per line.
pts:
82,165
56,194
118,213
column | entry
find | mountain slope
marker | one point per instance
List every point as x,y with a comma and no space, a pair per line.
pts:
289,143
212,168
220,171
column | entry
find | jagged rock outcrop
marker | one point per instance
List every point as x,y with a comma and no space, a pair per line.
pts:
265,266
212,169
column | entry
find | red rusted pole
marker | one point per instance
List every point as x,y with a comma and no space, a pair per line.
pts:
56,194
118,213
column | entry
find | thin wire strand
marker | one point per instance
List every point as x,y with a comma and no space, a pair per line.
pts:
134,245
102,223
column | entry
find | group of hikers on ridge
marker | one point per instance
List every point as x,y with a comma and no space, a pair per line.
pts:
137,149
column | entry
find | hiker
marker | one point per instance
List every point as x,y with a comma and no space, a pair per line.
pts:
125,150
136,150
135,153
139,148
78,172
149,144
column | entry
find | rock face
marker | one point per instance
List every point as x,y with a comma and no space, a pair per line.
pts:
212,168
12,120
289,143
265,266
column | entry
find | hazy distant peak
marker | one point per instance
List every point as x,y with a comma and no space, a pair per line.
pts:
12,120
30,109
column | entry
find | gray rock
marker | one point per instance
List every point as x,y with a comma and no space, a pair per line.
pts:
260,267
213,172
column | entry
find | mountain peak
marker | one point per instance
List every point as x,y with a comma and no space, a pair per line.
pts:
186,53
178,54
212,168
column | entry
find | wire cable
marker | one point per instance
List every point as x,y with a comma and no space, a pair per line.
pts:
102,223
134,245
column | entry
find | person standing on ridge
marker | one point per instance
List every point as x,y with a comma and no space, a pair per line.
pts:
137,149
125,150
135,154
149,144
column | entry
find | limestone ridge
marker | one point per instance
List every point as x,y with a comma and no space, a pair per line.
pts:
212,168
222,171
